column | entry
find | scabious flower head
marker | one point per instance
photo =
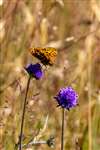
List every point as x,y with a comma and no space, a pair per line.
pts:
35,70
67,98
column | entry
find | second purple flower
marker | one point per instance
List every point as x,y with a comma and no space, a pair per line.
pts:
67,98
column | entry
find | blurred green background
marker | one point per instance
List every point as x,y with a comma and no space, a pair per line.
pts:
73,27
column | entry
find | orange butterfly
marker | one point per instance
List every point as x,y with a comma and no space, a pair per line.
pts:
46,55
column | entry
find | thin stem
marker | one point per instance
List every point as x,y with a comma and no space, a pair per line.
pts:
89,99
62,130
23,115
34,143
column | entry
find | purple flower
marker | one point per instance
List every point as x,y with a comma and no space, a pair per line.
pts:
67,98
35,70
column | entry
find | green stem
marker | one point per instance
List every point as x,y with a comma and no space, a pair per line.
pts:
23,115
62,130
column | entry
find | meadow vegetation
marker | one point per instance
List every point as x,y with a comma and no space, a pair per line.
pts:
73,28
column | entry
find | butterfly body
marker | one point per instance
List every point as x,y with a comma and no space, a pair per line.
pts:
47,56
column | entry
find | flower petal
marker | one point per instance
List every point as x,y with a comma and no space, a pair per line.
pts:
35,70
67,98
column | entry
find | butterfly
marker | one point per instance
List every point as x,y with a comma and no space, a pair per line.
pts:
47,55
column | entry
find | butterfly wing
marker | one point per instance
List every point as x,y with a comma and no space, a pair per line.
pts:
52,54
46,55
